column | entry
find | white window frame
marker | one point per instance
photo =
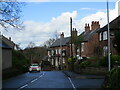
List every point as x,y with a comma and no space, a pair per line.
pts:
56,51
105,50
105,37
59,51
100,36
82,47
52,52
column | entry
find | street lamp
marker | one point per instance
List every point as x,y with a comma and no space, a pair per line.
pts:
109,63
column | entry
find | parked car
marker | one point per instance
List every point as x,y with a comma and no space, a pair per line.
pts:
35,67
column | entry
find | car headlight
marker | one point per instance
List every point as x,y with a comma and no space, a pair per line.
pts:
30,69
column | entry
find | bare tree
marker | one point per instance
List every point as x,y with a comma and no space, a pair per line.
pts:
31,52
56,34
10,14
31,45
49,42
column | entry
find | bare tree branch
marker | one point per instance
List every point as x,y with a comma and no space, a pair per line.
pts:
10,14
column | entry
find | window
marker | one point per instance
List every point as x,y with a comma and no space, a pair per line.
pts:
49,53
59,51
63,60
105,50
53,52
63,52
82,47
56,51
100,36
78,50
105,35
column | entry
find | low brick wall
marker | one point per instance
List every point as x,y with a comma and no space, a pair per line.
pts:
93,70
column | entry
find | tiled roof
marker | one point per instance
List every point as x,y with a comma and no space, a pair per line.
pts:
6,43
115,24
88,35
63,42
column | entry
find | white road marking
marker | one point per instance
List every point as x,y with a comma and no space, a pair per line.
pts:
34,80
72,83
31,82
41,75
23,86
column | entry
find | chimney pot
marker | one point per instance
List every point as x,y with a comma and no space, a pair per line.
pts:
95,25
87,27
62,35
10,38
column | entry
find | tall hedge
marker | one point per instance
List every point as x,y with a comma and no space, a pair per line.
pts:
113,79
19,61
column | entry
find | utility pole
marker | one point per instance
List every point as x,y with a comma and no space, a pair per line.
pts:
109,62
61,60
71,35
0,61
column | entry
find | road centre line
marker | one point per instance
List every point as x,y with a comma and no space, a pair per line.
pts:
71,83
34,80
37,78
23,86
30,82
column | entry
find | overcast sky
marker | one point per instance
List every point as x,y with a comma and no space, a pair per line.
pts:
43,19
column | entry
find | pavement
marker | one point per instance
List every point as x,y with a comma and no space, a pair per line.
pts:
75,75
89,82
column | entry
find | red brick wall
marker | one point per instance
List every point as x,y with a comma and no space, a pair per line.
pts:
92,42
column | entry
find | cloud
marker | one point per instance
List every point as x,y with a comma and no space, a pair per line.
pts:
66,0
39,32
33,0
87,8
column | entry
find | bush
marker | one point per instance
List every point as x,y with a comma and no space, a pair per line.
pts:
19,61
84,64
76,66
113,79
115,60
71,60
104,61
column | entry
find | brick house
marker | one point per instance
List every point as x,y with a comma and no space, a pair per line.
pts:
60,50
103,38
90,39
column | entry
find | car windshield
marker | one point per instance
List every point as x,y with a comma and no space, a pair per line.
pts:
34,64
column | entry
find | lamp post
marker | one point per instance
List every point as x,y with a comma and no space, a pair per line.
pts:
71,35
61,60
109,62
0,61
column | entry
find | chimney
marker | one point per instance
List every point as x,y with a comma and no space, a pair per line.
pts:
62,35
87,27
118,8
74,32
10,38
95,25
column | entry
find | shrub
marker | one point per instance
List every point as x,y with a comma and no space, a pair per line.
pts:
115,60
113,79
19,61
71,60
76,66
84,64
103,61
